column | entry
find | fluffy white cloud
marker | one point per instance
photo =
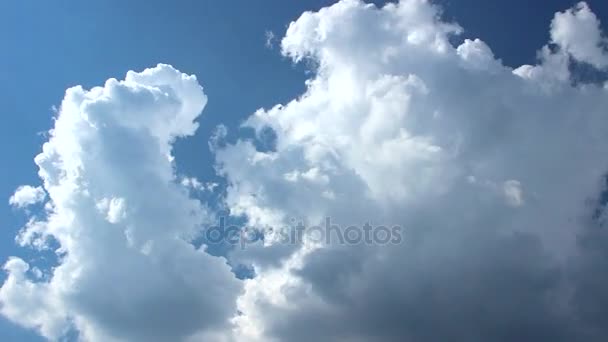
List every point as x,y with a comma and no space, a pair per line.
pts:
577,31
26,195
196,185
496,174
126,268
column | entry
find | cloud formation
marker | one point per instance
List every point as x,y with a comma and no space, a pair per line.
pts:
27,195
497,175
577,31
126,268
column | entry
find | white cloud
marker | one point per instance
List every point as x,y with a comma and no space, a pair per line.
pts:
577,31
496,174
113,208
26,195
194,184
513,193
402,127
270,38
127,270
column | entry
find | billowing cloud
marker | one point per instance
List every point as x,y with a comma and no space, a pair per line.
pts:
26,195
123,222
495,173
577,31
497,176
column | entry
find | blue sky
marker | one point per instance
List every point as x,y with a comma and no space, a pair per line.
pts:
48,46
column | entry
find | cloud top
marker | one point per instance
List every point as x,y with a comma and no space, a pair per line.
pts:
27,195
497,175
126,268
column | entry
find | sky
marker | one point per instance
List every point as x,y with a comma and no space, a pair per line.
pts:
344,81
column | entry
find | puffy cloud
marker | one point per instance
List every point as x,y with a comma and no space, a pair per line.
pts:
196,185
495,173
122,221
577,31
26,195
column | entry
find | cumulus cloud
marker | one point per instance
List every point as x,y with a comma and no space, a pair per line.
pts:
577,31
27,195
495,172
121,220
194,184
